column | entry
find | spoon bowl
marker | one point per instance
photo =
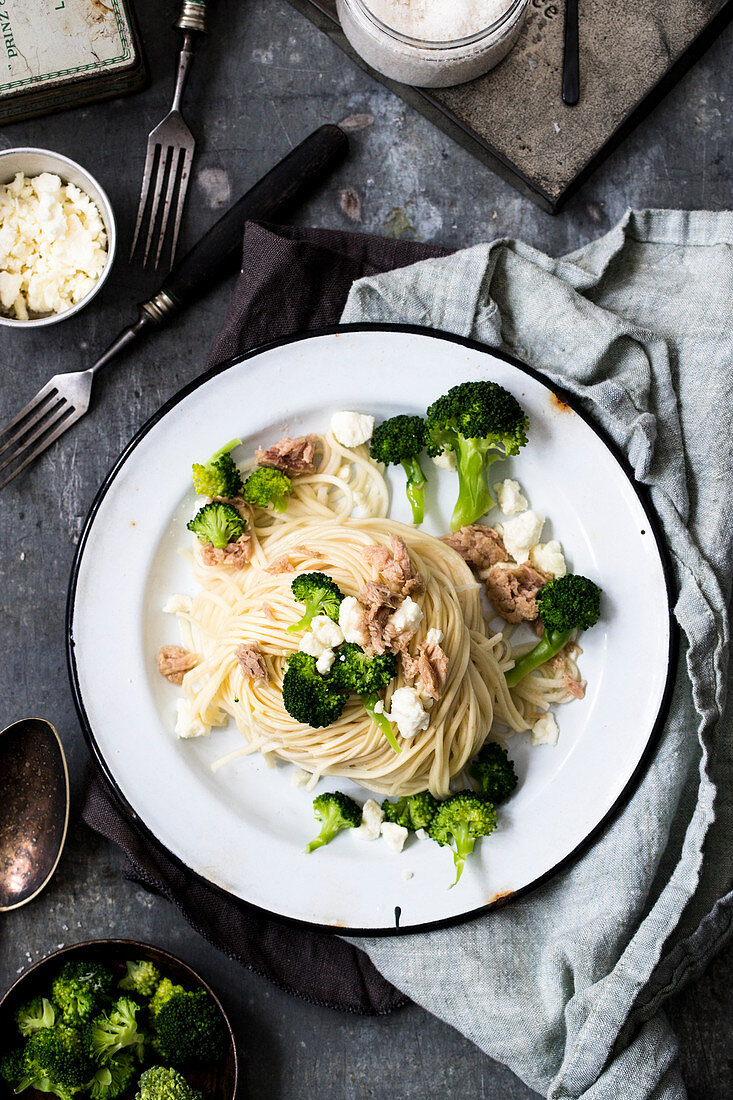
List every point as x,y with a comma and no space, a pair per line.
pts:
34,809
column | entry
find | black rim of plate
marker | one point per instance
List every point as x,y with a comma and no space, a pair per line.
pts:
642,494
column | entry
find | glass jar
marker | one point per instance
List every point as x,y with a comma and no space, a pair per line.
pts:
429,64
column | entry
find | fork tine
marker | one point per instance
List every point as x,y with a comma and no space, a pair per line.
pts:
45,442
162,165
56,413
42,408
44,392
185,174
172,175
147,176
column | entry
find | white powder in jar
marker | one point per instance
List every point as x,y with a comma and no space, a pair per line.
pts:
438,20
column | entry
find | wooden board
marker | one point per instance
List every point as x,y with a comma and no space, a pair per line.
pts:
513,118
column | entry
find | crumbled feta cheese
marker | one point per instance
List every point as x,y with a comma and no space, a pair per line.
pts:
394,835
361,506
177,604
408,616
509,497
545,731
446,460
351,618
53,245
323,635
434,636
379,707
351,428
188,724
324,662
372,817
522,533
300,778
421,834
407,712
407,875
549,558
344,472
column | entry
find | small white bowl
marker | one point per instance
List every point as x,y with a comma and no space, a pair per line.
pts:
34,161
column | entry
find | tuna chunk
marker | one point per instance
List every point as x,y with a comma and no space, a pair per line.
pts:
281,565
513,590
432,670
252,662
378,602
292,456
478,545
394,565
236,554
174,662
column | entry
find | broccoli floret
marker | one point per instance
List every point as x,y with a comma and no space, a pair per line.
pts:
400,440
187,1028
566,604
56,1061
219,477
159,1083
321,596
37,1013
113,1031
307,696
80,989
414,811
353,671
335,811
482,423
218,524
114,1077
459,822
267,487
142,977
12,1066
494,772
165,990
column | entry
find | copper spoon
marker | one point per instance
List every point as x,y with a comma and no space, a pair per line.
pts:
34,809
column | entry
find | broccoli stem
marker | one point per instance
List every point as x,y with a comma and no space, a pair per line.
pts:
549,644
464,847
370,702
474,494
312,608
332,826
415,488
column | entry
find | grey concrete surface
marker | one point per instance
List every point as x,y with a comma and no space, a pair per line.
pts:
266,78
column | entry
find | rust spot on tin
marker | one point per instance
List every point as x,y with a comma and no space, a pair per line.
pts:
559,405
500,899
337,924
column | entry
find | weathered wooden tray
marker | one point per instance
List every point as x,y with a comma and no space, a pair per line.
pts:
514,120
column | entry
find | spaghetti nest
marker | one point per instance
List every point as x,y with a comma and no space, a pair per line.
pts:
255,606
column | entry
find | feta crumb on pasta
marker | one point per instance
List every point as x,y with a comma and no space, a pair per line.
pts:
545,731
351,429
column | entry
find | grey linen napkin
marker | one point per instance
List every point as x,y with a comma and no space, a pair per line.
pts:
567,985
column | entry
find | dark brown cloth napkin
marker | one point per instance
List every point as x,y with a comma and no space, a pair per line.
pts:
292,280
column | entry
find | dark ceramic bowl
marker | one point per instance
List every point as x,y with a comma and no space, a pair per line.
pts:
217,1082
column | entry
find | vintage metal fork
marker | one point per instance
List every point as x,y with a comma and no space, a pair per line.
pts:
171,144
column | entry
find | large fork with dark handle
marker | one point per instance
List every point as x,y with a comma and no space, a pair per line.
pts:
65,398
172,144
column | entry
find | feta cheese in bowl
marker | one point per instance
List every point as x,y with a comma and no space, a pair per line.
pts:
57,237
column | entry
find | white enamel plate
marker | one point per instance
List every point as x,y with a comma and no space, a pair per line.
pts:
244,827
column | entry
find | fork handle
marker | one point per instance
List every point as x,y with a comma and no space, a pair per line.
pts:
217,253
193,16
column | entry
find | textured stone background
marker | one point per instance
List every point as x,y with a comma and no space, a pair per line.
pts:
265,78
